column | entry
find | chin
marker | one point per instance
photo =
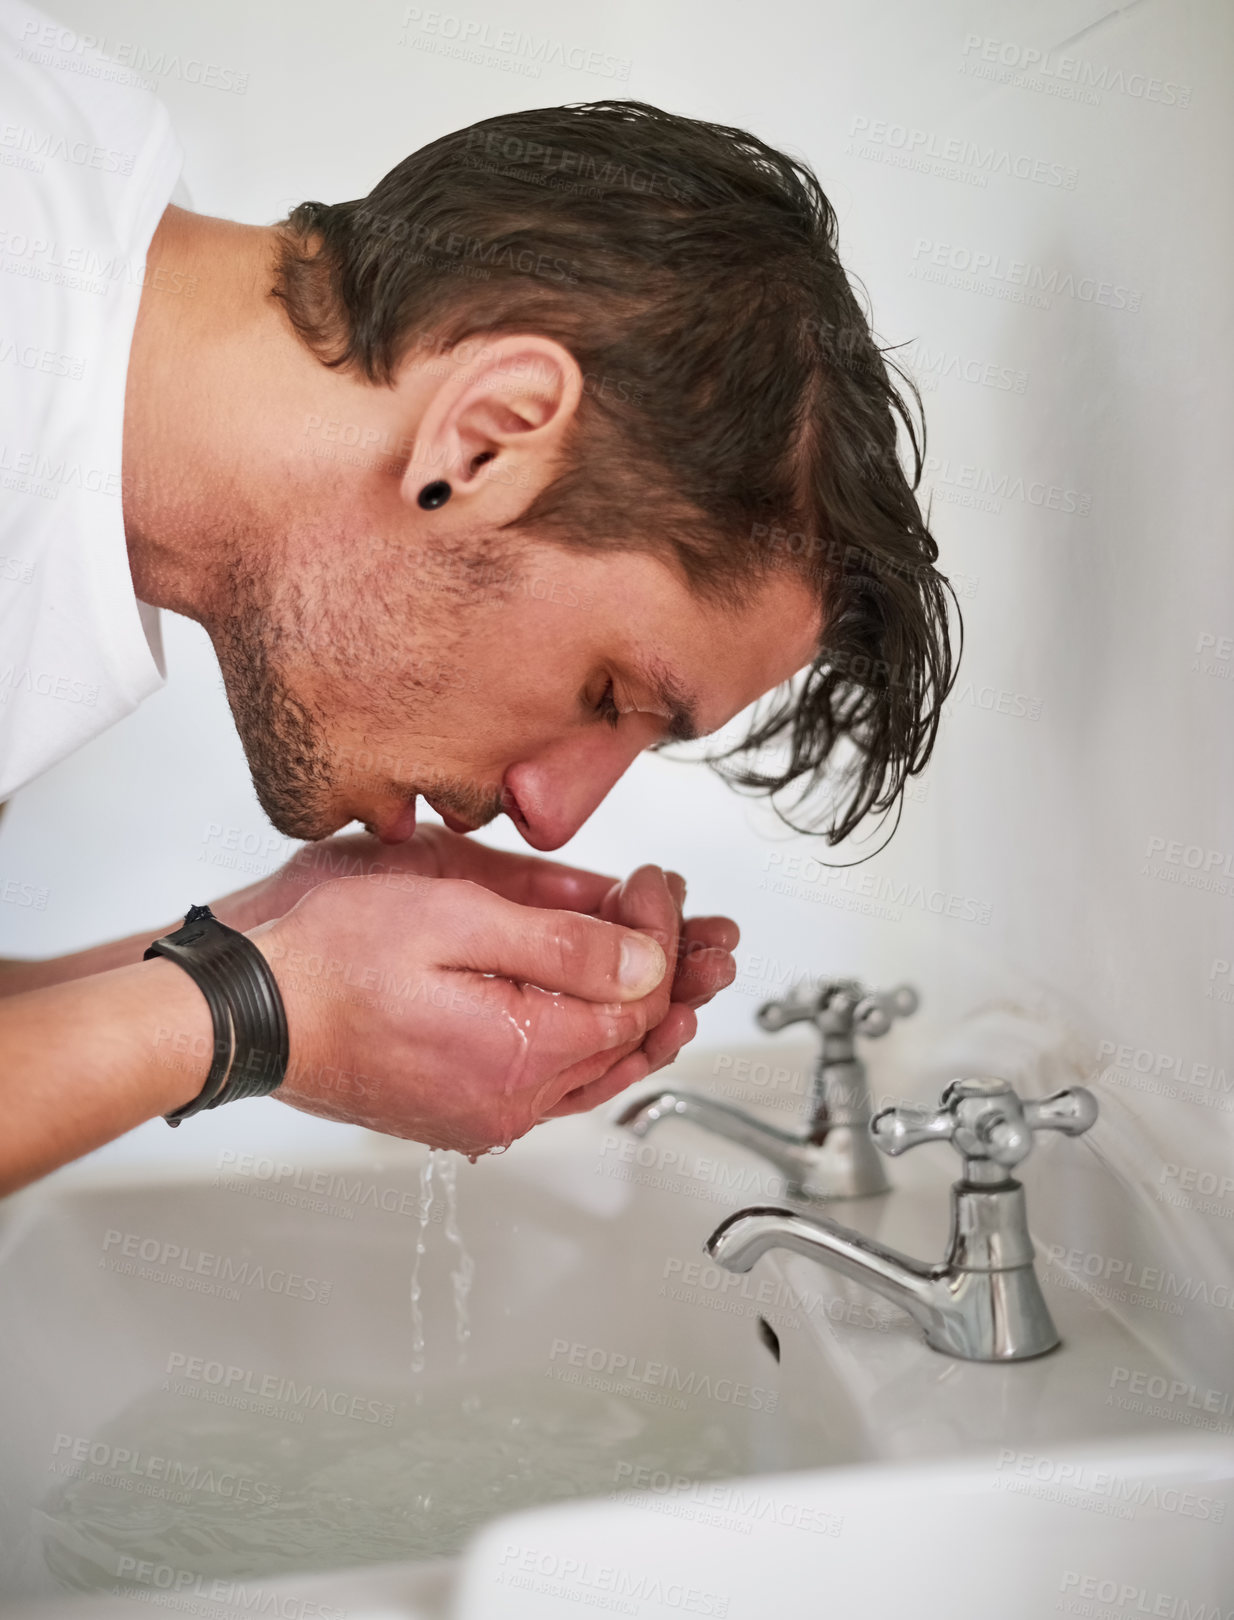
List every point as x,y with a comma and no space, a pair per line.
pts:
311,823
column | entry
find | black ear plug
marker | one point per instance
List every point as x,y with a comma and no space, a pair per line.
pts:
434,495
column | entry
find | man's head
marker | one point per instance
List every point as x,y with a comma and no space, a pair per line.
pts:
627,342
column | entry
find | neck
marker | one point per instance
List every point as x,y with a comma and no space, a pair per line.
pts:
205,328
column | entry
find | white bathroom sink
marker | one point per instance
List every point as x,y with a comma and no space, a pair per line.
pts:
1117,1533
201,1376
210,1384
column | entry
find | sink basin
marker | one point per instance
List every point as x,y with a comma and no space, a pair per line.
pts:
220,1376
1118,1533
220,1391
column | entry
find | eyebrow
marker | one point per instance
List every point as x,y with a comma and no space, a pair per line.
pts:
682,708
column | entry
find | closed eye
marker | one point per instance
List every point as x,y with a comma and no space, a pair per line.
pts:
607,708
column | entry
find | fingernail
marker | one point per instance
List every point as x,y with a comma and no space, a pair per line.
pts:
642,963
676,887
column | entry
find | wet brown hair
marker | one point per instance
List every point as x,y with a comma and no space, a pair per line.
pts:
737,416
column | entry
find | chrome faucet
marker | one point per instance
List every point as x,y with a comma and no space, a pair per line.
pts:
983,1302
832,1155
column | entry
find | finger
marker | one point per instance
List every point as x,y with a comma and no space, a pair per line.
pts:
663,1043
702,975
677,888
657,1051
525,879
722,932
564,951
610,906
705,964
562,1039
660,1047
644,901
589,1069
534,1046
699,936
628,1072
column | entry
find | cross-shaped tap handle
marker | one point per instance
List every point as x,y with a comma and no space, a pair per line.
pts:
840,1007
985,1120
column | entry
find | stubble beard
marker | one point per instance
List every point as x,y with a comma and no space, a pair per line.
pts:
283,740
266,638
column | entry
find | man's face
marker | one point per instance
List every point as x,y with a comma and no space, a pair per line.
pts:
527,684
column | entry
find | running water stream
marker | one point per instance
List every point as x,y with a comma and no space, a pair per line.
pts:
417,1314
464,1267
441,1167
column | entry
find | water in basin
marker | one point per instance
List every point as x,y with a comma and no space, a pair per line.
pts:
569,1369
237,1495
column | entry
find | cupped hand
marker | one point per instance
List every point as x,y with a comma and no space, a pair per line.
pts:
437,1010
703,964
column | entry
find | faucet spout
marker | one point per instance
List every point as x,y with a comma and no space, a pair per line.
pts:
827,1160
782,1149
742,1239
982,1303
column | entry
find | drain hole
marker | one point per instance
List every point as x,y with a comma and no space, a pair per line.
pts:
769,1336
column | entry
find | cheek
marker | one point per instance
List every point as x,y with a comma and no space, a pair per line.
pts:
519,693
532,641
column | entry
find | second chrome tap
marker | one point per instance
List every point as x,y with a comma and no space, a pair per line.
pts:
983,1300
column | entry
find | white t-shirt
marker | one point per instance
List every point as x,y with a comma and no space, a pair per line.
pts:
88,163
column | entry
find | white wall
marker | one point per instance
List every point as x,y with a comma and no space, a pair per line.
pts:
1078,407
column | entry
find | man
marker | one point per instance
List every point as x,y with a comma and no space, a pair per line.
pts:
567,441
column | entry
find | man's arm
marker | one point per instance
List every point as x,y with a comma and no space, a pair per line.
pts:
433,852
241,910
464,1018
88,1060
706,942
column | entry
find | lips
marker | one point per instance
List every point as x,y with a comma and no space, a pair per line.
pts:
455,823
398,828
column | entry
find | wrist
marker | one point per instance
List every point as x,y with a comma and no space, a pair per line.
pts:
172,1035
249,1049
310,1015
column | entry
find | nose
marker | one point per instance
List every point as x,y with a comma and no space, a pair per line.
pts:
551,795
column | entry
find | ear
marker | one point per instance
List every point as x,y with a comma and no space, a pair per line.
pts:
495,425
